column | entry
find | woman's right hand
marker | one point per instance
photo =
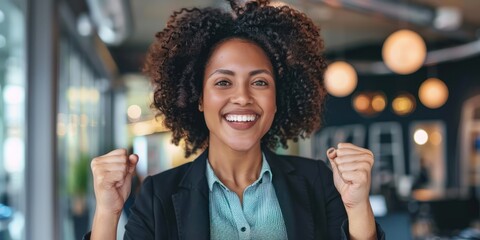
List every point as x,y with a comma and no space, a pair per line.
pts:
112,180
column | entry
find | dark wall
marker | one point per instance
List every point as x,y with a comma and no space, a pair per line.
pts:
463,81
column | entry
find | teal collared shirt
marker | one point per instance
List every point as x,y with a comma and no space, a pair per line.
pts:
259,218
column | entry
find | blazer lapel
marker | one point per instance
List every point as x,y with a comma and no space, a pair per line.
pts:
293,197
191,202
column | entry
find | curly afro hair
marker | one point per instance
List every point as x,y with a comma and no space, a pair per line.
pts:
176,61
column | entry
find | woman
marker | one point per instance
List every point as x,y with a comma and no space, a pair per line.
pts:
236,85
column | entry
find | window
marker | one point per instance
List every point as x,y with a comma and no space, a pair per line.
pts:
12,120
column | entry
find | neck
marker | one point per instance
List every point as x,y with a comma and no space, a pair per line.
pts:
230,165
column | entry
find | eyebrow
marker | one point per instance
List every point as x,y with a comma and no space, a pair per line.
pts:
231,73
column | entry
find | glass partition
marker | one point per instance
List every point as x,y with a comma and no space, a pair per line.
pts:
80,128
12,120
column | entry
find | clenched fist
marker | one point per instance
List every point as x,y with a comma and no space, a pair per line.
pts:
352,167
112,180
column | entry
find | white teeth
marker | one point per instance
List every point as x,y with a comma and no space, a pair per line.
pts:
240,118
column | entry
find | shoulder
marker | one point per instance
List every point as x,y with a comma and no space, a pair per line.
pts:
306,167
172,174
166,183
314,173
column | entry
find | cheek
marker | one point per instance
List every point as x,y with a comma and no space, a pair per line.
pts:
271,102
211,102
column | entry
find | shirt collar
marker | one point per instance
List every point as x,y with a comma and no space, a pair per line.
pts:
265,174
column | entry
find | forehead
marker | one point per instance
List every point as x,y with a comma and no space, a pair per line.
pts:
238,52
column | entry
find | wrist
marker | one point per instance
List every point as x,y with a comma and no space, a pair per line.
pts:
361,207
361,221
107,213
105,224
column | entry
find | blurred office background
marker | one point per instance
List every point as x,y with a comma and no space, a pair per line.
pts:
408,88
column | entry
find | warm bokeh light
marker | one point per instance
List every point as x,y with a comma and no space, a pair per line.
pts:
378,102
404,52
134,112
340,79
420,136
361,103
147,127
403,104
82,95
61,129
436,138
142,128
369,103
433,93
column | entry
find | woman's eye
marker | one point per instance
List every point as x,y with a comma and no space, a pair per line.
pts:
222,83
260,83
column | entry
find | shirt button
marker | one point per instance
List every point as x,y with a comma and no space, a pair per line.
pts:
243,229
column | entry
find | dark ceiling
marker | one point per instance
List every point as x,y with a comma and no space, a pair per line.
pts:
350,27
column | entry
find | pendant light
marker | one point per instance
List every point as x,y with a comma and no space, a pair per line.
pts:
433,93
404,52
340,79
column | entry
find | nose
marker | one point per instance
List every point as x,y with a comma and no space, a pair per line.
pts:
242,95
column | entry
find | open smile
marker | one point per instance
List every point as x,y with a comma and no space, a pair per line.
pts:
241,121
241,118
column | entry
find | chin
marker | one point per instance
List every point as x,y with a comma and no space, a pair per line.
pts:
243,146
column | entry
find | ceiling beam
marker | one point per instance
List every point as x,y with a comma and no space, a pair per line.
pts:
404,12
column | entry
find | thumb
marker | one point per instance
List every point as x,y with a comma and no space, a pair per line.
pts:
132,161
332,154
337,177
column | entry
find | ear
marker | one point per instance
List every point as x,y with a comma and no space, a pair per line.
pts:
200,104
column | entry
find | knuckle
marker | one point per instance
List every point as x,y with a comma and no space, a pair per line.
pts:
339,152
122,151
366,165
368,157
370,152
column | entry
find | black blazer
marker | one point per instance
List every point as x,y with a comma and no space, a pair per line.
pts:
175,204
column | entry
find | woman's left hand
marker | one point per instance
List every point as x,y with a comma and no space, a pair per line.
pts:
352,167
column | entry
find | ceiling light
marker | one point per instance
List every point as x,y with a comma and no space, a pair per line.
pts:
433,93
361,103
404,52
403,104
369,103
379,102
420,136
340,79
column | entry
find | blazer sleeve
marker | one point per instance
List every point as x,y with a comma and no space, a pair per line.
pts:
334,208
141,223
345,234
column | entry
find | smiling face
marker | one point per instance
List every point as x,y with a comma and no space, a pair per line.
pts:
238,97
